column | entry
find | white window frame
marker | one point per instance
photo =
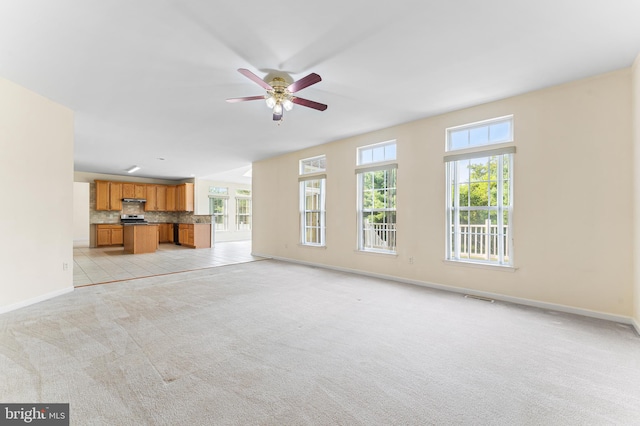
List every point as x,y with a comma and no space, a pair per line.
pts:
219,191
481,127
377,153
311,169
311,165
372,159
238,214
224,214
490,243
318,210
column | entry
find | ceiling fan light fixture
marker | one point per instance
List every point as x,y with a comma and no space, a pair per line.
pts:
271,102
279,96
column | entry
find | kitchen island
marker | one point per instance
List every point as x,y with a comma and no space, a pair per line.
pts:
140,238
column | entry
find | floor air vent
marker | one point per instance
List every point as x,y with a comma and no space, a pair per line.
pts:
471,296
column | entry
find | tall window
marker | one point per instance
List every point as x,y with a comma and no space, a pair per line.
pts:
312,201
218,208
377,197
480,192
243,214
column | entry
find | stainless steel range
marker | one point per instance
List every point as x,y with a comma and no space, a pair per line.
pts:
133,219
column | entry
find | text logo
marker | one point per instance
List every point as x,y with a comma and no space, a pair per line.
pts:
34,414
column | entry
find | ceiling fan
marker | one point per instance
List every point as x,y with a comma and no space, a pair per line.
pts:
279,94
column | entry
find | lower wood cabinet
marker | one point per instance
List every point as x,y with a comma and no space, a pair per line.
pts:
109,235
165,232
195,235
140,238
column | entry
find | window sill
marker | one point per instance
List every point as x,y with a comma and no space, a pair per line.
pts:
313,246
478,265
377,252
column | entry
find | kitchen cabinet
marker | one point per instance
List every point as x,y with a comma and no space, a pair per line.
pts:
165,233
171,198
109,235
156,198
140,238
195,235
108,195
184,197
133,190
183,234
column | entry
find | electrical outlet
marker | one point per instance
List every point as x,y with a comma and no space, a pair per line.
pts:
411,260
65,266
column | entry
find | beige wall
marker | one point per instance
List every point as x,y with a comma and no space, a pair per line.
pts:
572,217
36,166
80,214
636,159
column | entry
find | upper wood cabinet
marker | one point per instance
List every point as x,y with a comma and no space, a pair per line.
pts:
108,195
171,198
133,190
168,198
184,197
156,198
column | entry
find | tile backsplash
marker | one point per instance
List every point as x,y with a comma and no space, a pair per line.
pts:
101,216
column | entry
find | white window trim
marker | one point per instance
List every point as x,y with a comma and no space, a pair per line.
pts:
226,213
481,123
479,154
360,176
300,163
376,145
323,211
250,215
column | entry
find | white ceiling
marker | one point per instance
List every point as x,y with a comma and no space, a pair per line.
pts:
148,79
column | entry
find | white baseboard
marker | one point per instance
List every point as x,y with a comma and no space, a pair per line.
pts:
496,296
41,298
80,243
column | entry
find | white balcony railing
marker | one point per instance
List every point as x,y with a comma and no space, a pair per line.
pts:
380,236
482,242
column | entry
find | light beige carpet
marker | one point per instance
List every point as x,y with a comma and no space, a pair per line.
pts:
271,343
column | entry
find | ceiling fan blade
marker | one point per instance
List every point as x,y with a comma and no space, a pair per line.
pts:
307,81
251,76
308,103
246,98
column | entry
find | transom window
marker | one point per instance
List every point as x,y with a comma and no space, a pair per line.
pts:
219,190
313,165
480,195
377,153
497,130
377,197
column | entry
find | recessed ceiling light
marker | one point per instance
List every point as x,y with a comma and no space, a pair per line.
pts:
133,169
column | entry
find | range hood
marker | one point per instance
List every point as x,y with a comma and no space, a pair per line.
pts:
134,200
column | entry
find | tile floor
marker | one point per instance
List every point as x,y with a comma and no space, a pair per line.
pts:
108,264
